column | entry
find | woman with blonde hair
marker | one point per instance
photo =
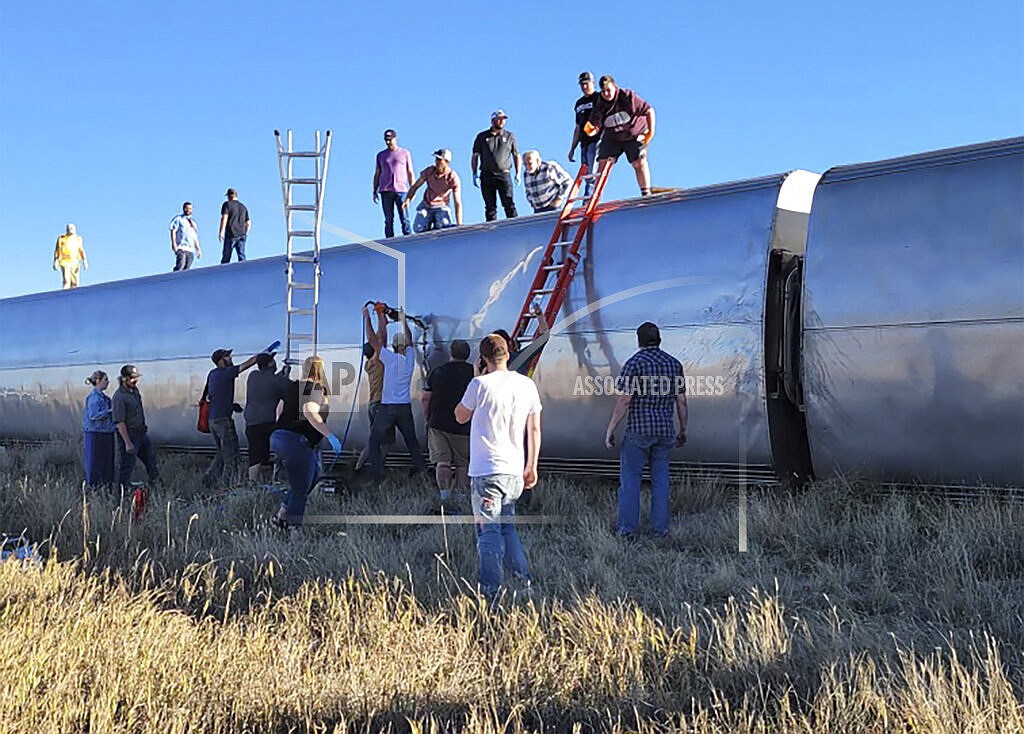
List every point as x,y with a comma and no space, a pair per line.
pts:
98,432
301,427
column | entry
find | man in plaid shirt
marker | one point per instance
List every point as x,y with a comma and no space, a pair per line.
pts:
547,183
652,391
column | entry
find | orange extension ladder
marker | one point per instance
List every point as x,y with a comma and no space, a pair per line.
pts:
561,256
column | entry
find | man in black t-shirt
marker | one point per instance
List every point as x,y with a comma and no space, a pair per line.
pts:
234,227
447,439
588,143
495,151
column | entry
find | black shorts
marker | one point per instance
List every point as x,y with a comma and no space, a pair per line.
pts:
634,149
258,436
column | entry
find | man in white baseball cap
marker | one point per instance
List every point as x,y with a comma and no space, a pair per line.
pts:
442,185
495,150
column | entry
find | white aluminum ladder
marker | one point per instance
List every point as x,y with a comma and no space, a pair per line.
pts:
303,270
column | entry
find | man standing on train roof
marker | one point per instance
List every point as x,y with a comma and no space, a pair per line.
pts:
626,124
392,177
588,143
652,392
220,388
184,238
234,227
66,256
495,150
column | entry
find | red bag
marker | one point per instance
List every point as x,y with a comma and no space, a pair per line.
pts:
203,423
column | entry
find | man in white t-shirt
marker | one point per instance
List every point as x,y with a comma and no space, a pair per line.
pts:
395,404
503,406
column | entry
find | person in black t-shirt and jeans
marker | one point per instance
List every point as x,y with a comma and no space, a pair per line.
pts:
588,143
220,389
447,439
296,440
495,151
234,227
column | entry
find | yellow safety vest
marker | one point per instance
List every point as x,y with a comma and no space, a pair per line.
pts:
68,247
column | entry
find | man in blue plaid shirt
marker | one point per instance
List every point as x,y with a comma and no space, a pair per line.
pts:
652,391
547,183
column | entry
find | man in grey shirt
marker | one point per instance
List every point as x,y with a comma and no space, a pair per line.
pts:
132,432
264,389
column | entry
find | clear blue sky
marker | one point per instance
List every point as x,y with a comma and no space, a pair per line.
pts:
112,114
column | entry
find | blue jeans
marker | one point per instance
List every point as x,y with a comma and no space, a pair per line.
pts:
143,450
183,260
302,465
588,155
236,243
99,458
636,451
389,201
494,505
224,467
385,420
436,217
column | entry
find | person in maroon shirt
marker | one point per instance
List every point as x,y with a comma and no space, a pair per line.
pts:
626,123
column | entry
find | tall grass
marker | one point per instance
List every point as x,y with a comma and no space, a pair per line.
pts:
852,612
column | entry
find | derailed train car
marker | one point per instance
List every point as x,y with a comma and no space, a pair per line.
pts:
879,331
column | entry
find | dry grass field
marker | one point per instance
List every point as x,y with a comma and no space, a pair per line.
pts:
853,611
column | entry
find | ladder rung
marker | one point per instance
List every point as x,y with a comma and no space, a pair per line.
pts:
542,291
293,362
564,243
302,154
313,181
302,311
300,208
302,259
302,286
300,337
301,233
571,220
554,267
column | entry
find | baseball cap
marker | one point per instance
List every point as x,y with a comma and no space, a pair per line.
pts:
498,113
389,133
231,192
586,76
443,153
129,371
220,354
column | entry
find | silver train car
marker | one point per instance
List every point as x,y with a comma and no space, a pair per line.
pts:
870,322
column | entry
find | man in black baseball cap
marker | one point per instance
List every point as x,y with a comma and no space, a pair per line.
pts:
587,143
220,389
132,433
392,177
234,227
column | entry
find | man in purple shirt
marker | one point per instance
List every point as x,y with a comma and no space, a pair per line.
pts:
626,123
391,179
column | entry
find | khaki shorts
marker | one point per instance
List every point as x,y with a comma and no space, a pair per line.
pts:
448,448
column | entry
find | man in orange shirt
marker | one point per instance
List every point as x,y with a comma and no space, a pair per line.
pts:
67,254
442,182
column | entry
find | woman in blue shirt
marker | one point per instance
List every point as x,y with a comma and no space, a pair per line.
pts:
98,428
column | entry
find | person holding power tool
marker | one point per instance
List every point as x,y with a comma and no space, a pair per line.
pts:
396,405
